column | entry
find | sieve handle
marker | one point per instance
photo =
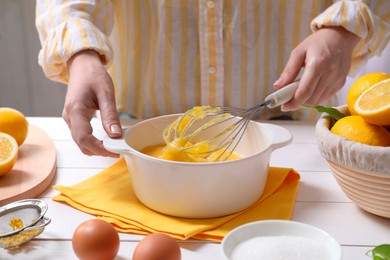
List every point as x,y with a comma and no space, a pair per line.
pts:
282,95
46,221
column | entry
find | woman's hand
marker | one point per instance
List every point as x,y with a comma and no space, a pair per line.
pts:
90,88
326,58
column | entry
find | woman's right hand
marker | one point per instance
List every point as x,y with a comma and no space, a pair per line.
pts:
90,88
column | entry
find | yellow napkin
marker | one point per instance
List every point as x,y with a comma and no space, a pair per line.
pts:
109,196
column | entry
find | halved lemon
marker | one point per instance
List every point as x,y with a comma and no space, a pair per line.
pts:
8,153
373,105
360,85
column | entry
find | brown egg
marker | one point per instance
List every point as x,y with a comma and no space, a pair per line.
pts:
157,247
95,239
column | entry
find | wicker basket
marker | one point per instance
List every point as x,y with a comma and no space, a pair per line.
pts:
362,171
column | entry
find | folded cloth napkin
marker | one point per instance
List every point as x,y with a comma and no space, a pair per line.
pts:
108,195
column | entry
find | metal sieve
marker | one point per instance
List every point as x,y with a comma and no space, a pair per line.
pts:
21,221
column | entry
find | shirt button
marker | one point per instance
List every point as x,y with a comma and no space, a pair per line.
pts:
212,69
210,4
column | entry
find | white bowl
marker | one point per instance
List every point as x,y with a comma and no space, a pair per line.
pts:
198,190
271,232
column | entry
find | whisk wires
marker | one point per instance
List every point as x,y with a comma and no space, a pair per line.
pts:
179,135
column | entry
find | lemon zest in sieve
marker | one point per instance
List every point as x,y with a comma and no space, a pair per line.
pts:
16,223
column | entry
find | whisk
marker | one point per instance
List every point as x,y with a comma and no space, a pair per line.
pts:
179,136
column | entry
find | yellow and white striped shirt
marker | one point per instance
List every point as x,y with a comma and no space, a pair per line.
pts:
171,55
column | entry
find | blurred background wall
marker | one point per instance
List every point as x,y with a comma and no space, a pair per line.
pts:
22,83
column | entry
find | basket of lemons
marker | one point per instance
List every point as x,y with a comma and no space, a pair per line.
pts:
355,141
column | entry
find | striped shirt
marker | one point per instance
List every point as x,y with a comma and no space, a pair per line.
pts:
171,55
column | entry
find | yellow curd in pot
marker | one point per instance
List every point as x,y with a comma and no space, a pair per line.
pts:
177,136
167,152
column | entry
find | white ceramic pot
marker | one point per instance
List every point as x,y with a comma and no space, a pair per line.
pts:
198,190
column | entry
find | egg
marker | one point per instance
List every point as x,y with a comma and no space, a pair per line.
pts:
157,246
95,239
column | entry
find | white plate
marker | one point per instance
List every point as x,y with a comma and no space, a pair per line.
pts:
279,228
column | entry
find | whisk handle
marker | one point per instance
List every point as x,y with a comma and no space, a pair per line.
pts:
282,95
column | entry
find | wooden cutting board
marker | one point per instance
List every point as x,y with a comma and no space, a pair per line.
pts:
34,169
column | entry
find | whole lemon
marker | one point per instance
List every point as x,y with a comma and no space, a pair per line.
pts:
362,84
356,129
14,123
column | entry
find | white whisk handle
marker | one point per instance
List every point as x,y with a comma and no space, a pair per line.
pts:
282,95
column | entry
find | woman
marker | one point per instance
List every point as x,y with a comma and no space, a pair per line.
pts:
172,55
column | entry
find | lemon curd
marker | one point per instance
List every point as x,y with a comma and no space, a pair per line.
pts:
177,146
166,152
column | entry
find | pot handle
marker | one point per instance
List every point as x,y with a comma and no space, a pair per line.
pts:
116,145
280,136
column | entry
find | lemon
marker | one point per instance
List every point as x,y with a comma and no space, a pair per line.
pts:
360,85
8,153
373,105
13,123
356,129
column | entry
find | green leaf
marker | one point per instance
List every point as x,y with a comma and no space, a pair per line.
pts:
333,112
381,252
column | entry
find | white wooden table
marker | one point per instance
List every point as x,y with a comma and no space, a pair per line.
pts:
320,201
